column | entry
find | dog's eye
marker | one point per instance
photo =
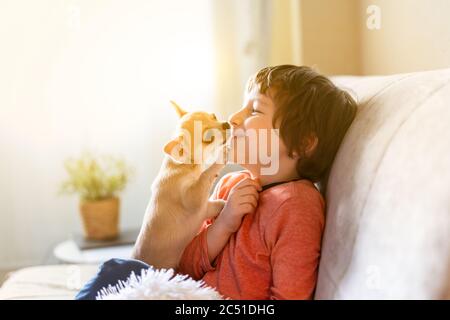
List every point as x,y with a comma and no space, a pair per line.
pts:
213,116
209,140
208,136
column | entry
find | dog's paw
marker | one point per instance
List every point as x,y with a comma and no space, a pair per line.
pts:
215,207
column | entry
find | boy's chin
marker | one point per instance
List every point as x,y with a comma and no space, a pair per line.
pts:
237,154
250,167
235,157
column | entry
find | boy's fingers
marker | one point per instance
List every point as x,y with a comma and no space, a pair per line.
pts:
242,182
250,198
250,185
254,195
247,207
246,182
247,190
250,191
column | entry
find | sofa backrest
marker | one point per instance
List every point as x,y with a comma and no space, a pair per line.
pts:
387,233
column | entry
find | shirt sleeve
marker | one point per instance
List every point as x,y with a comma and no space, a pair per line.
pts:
195,261
195,258
293,237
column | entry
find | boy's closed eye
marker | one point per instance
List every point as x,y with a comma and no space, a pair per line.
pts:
256,107
256,111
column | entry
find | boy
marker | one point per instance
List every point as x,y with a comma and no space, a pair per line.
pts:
265,244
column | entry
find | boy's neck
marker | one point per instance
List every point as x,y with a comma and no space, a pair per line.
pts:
266,180
280,176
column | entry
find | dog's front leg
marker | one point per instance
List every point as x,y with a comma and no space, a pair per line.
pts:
208,177
198,192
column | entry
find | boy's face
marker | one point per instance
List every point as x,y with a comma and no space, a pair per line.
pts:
249,125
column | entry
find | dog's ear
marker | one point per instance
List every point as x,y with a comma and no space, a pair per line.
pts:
178,109
175,150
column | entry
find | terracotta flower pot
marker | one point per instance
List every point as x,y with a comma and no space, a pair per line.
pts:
100,218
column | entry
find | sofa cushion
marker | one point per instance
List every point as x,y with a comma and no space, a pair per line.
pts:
47,282
387,232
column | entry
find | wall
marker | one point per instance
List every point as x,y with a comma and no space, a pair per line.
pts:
330,36
320,33
414,36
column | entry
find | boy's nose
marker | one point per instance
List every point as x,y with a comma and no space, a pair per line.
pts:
234,120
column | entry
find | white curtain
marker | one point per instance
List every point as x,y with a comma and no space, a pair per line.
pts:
242,40
249,35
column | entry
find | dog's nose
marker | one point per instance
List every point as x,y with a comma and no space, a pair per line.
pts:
226,125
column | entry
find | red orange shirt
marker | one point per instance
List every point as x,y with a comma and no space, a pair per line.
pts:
275,252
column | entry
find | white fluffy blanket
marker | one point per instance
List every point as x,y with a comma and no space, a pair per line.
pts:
161,284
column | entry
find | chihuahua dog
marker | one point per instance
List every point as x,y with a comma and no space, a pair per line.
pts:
179,202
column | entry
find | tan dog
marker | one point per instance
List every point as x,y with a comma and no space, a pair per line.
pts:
179,202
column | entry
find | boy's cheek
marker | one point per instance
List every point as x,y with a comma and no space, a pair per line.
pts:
258,141
255,123
269,144
257,150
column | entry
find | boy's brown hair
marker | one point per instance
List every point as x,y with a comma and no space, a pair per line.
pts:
308,105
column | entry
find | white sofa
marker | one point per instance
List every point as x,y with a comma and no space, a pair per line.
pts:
387,232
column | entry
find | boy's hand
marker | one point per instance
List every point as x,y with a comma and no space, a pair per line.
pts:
242,200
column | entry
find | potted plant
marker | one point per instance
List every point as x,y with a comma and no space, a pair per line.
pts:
97,181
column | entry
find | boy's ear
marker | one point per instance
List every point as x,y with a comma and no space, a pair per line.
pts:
175,150
178,109
311,144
